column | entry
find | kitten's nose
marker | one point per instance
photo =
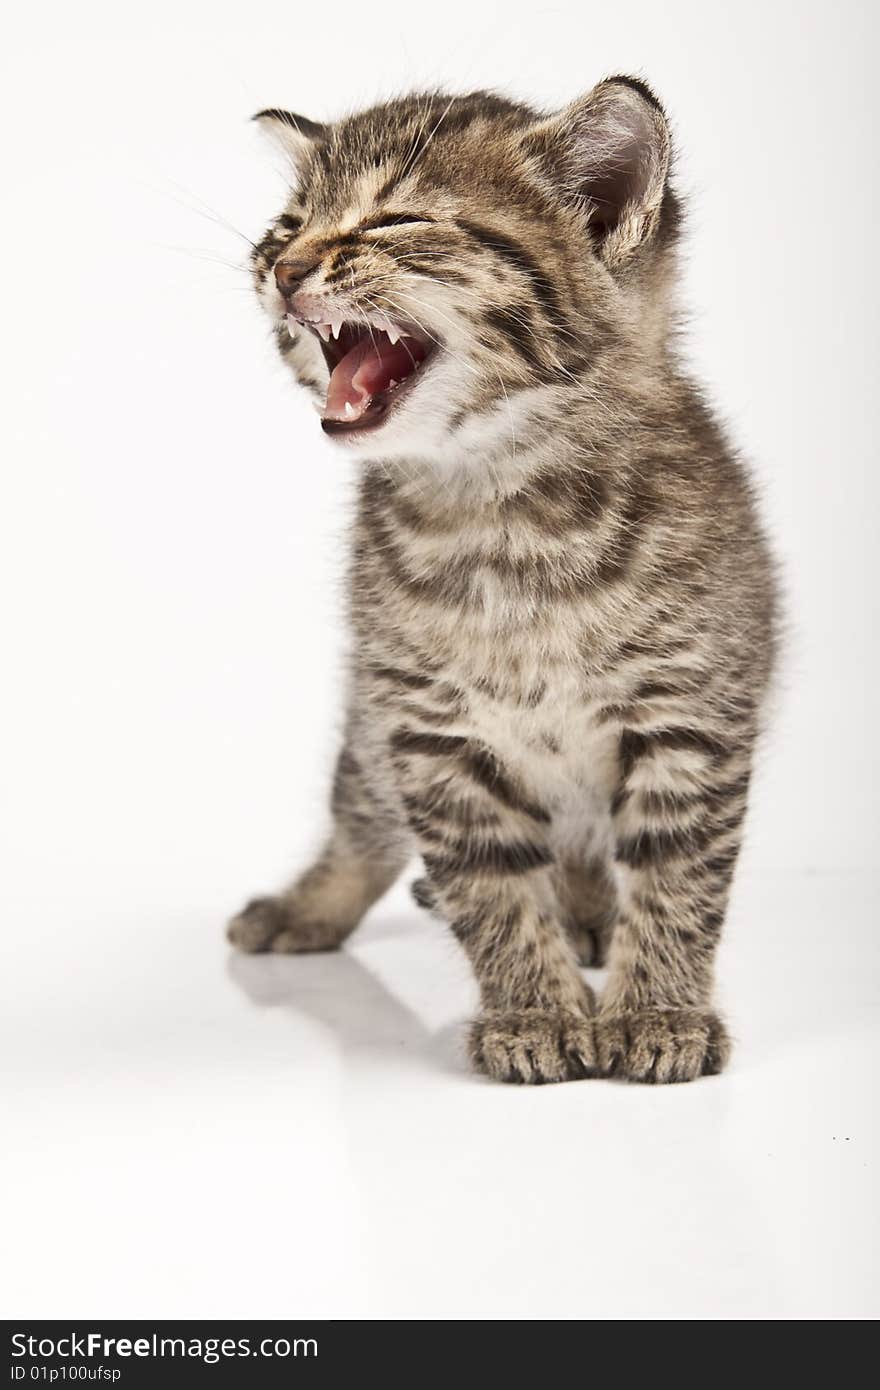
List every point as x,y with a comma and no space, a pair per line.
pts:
289,274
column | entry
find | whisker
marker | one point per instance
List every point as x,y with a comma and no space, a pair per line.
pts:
206,211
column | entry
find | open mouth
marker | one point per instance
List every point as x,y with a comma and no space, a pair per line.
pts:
371,364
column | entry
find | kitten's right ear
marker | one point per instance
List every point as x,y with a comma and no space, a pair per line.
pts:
296,135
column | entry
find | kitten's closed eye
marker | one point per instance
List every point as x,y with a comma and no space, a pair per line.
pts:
399,219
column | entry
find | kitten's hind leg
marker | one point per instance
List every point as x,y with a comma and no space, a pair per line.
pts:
366,852
588,905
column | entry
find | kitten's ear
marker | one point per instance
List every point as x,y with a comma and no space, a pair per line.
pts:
296,135
613,152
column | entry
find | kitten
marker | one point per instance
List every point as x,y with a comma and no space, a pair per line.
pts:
561,598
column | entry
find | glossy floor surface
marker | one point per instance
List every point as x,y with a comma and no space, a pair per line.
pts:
197,1134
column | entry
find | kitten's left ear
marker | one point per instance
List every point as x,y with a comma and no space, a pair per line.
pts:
296,135
612,151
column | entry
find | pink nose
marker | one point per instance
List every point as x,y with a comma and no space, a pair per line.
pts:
290,274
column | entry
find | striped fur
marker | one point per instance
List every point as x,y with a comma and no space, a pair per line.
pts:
561,598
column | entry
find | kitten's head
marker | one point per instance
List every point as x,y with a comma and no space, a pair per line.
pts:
442,262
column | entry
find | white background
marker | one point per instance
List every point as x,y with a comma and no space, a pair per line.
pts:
171,542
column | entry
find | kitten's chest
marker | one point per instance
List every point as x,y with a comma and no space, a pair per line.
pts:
524,689
550,732
522,665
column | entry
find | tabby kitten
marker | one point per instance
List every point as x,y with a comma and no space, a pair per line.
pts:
561,598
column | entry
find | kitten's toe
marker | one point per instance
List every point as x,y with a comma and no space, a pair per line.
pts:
533,1046
660,1045
273,924
257,925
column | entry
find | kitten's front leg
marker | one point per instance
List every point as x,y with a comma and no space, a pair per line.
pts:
486,852
678,822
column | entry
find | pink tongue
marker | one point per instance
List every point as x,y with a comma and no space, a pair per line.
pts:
367,369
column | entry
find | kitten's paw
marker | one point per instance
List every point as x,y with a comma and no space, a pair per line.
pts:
533,1046
660,1045
272,924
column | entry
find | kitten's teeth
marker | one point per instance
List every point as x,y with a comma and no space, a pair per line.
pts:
291,325
323,330
335,326
349,411
392,383
392,333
